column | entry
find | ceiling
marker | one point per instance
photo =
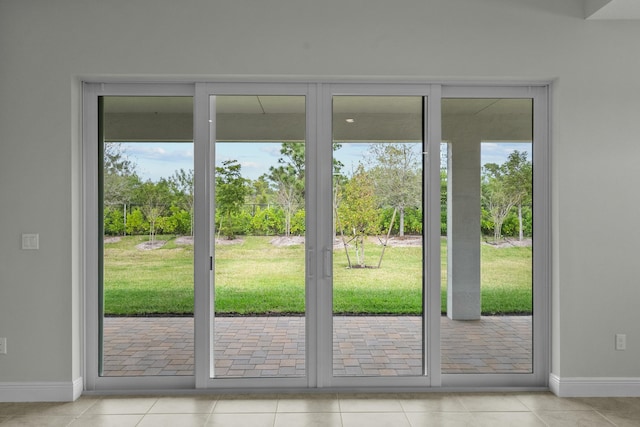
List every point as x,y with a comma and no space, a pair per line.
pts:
612,9
296,104
266,118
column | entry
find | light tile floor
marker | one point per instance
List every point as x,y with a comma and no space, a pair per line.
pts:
274,346
343,409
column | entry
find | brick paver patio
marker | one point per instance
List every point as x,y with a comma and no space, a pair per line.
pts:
274,346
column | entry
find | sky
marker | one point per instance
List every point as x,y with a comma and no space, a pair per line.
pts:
157,160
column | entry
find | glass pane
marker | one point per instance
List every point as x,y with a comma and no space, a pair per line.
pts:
486,191
147,251
378,251
259,280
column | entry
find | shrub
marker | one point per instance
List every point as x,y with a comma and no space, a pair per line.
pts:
298,222
113,221
136,224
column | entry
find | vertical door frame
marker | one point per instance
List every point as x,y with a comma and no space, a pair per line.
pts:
541,279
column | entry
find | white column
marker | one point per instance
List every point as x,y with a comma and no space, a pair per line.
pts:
463,228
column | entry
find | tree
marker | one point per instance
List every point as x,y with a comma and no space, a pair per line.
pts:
119,179
498,201
181,184
505,186
397,174
357,212
260,193
155,198
231,190
289,180
519,180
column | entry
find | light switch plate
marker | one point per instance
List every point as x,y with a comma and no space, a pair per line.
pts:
31,241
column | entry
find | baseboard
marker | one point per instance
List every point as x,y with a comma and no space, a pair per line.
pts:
78,388
40,391
594,387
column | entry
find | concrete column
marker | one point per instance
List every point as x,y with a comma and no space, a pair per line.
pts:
463,228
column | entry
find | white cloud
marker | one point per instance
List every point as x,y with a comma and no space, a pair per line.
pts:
155,160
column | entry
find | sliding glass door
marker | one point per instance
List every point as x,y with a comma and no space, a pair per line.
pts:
313,235
257,183
259,188
493,228
377,251
146,187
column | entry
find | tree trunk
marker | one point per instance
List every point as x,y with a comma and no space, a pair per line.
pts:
497,231
401,230
384,246
151,231
520,234
287,222
191,219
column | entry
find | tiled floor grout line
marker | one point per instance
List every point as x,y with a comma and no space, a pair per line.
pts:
594,407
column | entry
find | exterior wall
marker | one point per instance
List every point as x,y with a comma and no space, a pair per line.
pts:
48,47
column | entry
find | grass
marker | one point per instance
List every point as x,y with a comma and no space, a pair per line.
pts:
147,282
255,277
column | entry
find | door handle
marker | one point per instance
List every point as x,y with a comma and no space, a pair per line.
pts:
310,256
328,252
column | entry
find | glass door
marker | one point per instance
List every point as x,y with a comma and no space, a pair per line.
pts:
259,236
316,235
493,307
146,230
375,257
258,191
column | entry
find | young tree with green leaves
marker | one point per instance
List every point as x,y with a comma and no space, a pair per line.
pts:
519,176
118,184
397,174
231,190
498,201
289,180
119,174
154,198
181,184
357,212
506,186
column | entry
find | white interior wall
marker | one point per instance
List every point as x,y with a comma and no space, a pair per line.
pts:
47,48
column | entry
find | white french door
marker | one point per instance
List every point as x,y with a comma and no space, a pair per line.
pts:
311,140
327,244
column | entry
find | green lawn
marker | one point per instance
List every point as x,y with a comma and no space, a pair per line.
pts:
255,277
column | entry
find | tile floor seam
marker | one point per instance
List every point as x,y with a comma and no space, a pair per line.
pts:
540,418
607,407
613,423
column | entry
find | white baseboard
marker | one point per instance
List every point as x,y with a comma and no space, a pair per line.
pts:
40,391
78,388
594,387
